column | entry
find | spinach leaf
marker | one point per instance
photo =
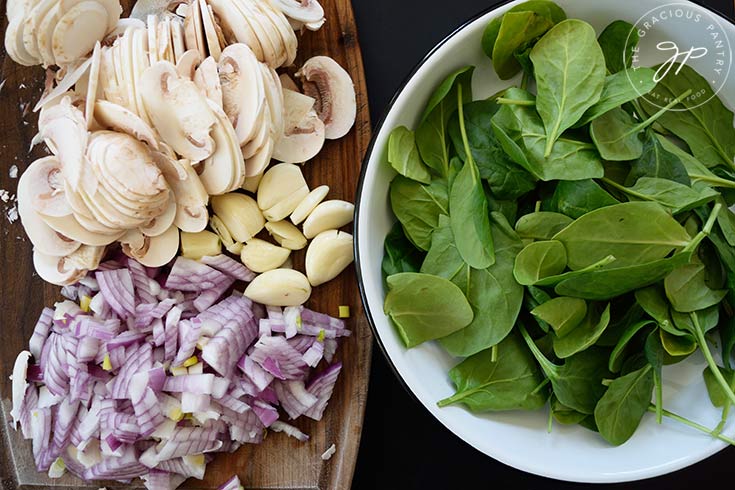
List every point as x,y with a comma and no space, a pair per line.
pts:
399,253
687,291
706,128
431,135
616,356
545,8
539,260
521,133
570,72
404,156
653,301
418,207
655,354
678,197
563,314
725,220
677,346
584,335
509,382
517,29
443,258
425,307
534,298
696,170
658,161
577,383
541,225
577,198
565,415
621,408
618,42
716,394
707,319
615,134
632,232
620,88
508,208
469,218
493,293
507,180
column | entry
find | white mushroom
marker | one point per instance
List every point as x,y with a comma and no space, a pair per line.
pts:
64,129
243,94
329,253
210,34
261,256
78,30
307,205
69,226
159,224
117,117
234,25
332,87
304,11
303,132
69,269
224,170
206,78
44,188
187,63
179,111
153,251
191,197
279,287
328,215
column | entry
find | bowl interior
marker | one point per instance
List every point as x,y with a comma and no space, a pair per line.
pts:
520,439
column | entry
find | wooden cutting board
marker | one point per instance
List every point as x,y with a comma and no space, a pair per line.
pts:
280,462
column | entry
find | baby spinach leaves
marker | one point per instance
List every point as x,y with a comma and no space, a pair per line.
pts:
618,42
621,408
570,73
404,156
425,307
539,260
400,255
418,207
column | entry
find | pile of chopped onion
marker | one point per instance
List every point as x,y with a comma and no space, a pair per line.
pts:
146,372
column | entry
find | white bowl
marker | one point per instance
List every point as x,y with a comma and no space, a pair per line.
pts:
520,439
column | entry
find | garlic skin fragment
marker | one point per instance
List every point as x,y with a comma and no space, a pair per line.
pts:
329,253
326,81
261,256
328,215
279,287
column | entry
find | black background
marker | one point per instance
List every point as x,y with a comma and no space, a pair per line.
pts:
403,446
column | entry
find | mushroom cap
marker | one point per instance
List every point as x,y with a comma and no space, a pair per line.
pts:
44,187
304,11
118,118
152,251
326,81
189,193
243,93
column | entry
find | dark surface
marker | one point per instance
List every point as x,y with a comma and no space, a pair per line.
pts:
403,446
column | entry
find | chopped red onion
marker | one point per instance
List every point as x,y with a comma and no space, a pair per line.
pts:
229,266
289,361
321,387
294,397
41,332
290,430
231,484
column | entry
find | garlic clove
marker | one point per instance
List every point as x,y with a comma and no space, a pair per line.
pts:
307,205
279,287
261,256
328,215
286,234
285,207
279,183
329,253
240,214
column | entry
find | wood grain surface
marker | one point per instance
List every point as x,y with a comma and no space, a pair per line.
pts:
280,462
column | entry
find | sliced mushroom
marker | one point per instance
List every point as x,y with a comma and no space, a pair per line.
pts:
161,223
256,164
329,253
78,30
224,171
304,11
92,85
14,43
64,129
187,64
274,98
331,86
55,270
191,197
70,227
30,30
179,112
288,83
328,215
44,34
235,26
287,34
300,143
46,187
177,37
116,117
210,34
64,85
207,79
153,251
274,52
243,93
152,31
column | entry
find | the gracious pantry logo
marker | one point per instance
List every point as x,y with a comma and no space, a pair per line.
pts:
676,35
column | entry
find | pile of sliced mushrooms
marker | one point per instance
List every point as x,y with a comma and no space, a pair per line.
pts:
154,119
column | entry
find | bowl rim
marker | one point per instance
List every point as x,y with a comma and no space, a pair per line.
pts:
377,129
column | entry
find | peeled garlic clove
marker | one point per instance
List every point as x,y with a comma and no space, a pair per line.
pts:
197,245
279,183
222,232
78,30
261,256
279,287
154,251
120,119
240,214
251,184
329,253
286,206
328,215
286,234
307,205
179,111
332,87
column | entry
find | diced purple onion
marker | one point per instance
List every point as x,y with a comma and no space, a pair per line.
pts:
229,266
231,484
321,387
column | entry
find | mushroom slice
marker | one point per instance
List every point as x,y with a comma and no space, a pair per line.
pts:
121,26
286,33
304,11
120,119
243,93
43,237
152,30
64,85
257,163
65,131
78,30
187,64
46,187
331,86
191,197
274,53
165,43
210,34
235,26
315,26
260,138
141,62
113,8
207,79
177,38
14,43
152,251
179,111
193,30
301,143
274,97
54,269
288,83
161,223
69,226
31,28
44,34
224,171
92,85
